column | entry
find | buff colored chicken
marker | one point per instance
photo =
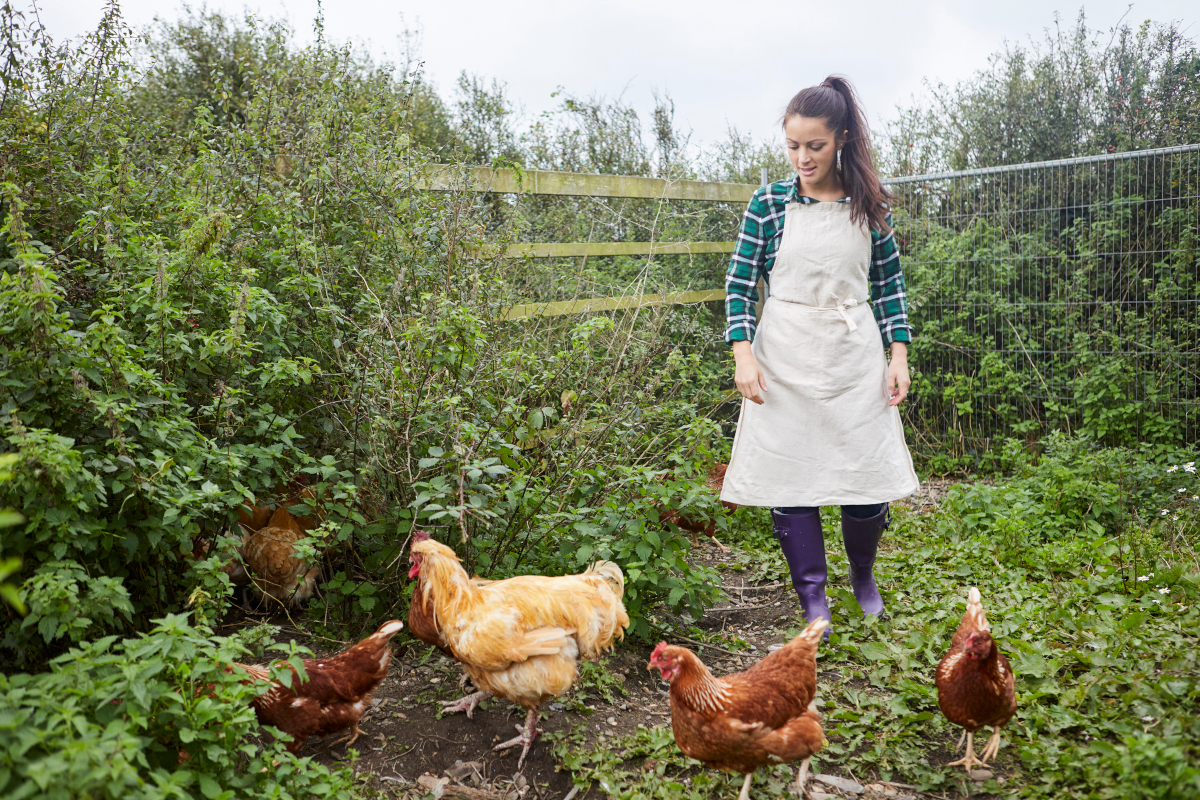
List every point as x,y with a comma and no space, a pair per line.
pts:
276,571
335,695
520,638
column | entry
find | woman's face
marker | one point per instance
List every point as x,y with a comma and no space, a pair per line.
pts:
811,147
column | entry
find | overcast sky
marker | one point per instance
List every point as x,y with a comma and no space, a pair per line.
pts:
720,65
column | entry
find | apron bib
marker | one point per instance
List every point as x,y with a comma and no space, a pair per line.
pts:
825,434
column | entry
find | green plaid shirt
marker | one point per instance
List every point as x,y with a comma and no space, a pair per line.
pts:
754,255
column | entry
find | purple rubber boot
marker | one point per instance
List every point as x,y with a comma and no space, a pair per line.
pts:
861,537
803,544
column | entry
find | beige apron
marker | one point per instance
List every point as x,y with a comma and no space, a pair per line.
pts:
825,434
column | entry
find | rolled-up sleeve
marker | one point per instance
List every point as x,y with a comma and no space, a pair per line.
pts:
745,268
889,299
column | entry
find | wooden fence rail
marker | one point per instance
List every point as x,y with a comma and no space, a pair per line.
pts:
574,184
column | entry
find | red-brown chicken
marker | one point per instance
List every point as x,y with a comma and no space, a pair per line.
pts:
746,720
520,638
975,683
694,526
335,695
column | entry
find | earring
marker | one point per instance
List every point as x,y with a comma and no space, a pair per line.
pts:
839,160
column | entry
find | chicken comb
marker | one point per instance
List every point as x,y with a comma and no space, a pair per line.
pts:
421,536
975,610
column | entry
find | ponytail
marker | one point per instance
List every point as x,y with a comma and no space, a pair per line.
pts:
835,102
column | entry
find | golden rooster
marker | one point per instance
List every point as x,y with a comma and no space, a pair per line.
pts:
520,638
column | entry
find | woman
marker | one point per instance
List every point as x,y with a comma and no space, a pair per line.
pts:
819,422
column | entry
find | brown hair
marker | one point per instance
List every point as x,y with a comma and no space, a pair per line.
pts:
835,102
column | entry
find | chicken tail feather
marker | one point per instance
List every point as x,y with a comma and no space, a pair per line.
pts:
812,634
612,574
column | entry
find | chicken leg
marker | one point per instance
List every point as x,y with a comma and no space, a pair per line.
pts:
970,760
745,793
466,704
802,779
992,747
528,732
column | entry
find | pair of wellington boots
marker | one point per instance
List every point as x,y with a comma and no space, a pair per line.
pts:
803,543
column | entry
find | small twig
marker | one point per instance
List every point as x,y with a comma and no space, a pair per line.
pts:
742,589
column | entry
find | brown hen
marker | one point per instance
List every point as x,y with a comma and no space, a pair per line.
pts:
693,525
746,720
335,695
976,685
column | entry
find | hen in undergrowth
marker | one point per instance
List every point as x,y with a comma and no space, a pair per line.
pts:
337,690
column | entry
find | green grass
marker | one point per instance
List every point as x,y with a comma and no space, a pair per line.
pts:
1106,664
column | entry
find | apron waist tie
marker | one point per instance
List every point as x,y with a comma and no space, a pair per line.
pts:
840,308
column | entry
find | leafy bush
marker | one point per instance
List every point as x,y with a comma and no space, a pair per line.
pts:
1073,489
236,279
153,716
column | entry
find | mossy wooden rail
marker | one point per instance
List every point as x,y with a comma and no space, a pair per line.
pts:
508,181
578,184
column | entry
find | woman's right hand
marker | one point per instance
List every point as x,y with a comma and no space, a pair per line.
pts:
747,374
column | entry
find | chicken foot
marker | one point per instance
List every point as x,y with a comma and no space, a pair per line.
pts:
992,747
528,732
970,760
466,704
349,738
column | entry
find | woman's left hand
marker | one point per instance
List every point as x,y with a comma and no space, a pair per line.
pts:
897,376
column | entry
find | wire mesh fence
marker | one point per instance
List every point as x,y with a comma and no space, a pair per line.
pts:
1058,295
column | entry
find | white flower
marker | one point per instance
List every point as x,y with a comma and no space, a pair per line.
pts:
1158,602
1147,719
1144,578
1172,468
1163,590
1162,513
1181,489
1190,466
